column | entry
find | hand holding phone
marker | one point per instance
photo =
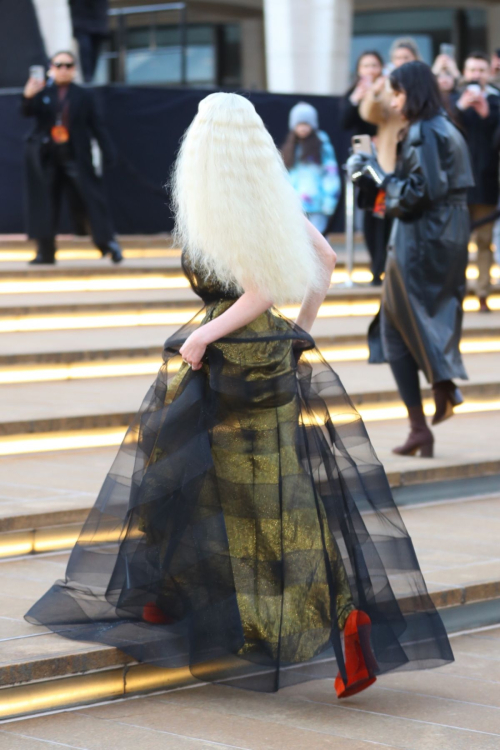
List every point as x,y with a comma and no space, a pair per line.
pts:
362,144
36,81
474,89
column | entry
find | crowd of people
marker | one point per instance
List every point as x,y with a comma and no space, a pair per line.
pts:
472,101
430,173
432,168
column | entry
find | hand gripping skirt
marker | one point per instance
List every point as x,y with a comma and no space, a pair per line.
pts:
246,502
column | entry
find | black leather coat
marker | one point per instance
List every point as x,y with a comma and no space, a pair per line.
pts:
424,283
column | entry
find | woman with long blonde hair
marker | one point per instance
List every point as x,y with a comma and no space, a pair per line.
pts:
246,522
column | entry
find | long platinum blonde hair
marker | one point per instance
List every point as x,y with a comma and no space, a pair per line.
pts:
237,215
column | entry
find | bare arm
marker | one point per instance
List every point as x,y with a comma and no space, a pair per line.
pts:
252,304
373,108
247,308
313,299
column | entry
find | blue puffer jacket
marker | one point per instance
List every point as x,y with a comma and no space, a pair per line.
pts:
318,185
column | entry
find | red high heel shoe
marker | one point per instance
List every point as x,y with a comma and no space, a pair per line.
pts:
153,614
360,663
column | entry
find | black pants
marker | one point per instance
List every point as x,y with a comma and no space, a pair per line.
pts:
377,232
89,46
63,179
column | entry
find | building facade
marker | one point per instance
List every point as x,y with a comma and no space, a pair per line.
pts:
288,46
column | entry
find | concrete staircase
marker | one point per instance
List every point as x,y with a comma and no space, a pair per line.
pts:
75,361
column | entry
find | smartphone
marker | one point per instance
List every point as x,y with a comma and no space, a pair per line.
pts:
37,72
447,49
361,144
474,88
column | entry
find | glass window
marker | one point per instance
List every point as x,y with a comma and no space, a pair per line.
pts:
477,37
230,55
404,22
154,55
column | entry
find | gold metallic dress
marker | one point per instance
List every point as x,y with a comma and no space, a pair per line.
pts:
246,503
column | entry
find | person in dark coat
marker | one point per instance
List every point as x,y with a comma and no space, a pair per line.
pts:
376,230
90,23
420,321
59,158
478,111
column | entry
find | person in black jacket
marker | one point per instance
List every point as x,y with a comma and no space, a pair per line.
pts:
420,321
59,158
376,230
478,111
90,23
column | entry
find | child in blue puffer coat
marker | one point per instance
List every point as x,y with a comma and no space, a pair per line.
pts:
310,159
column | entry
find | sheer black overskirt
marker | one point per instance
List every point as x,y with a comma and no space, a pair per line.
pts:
247,503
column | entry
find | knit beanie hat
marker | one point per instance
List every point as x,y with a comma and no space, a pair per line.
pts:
303,113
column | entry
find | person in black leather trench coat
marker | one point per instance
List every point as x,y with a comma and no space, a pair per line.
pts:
420,321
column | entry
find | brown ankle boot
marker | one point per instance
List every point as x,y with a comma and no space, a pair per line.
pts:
446,397
420,437
483,305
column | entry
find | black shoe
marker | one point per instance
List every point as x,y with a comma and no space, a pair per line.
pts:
39,260
45,252
113,249
376,281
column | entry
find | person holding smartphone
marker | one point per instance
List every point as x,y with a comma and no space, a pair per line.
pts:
478,112
376,230
58,159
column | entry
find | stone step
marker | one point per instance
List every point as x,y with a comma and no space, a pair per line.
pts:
40,671
53,528
168,264
44,497
58,345
97,275
175,312
480,337
108,402
452,708
74,302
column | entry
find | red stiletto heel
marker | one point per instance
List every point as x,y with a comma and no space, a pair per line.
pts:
153,614
360,662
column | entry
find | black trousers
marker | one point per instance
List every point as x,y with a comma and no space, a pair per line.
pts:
377,232
89,46
62,175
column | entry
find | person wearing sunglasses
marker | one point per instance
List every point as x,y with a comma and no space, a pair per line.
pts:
58,160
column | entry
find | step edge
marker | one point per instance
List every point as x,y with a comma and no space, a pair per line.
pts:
125,680
108,355
23,427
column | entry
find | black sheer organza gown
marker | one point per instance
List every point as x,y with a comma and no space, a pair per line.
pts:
246,502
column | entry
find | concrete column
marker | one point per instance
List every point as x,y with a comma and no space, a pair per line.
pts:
308,45
253,61
55,25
